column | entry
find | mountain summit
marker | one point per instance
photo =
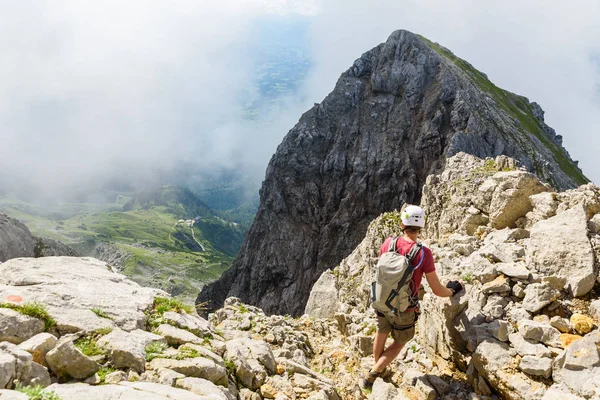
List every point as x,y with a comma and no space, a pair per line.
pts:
394,117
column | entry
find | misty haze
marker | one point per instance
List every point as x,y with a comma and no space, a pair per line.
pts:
299,199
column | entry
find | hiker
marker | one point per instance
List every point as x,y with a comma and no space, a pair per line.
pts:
396,301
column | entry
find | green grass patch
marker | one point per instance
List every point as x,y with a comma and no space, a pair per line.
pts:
37,392
155,349
103,371
164,304
100,312
33,309
243,309
103,331
88,346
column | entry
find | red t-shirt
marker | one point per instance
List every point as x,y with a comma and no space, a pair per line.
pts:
424,257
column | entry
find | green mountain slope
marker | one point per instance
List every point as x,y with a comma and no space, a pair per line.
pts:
153,240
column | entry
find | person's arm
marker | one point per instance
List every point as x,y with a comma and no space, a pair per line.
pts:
436,286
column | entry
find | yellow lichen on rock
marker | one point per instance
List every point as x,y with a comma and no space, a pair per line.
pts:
582,323
566,339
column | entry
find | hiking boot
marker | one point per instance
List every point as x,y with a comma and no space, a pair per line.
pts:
366,383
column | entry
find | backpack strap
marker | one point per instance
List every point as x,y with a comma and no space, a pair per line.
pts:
392,246
412,253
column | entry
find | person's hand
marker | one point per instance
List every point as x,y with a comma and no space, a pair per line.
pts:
455,286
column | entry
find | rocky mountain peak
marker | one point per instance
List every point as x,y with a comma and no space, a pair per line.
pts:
392,119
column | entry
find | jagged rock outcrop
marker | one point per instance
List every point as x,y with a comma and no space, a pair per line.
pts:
391,121
17,241
527,324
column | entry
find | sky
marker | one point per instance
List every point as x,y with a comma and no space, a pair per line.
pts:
92,92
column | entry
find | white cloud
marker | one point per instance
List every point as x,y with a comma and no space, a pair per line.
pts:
543,50
93,90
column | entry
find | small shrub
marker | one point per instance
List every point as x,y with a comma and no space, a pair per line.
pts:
37,392
100,312
230,367
154,349
467,277
88,346
33,309
103,371
243,309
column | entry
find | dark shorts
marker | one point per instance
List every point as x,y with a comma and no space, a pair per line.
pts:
402,326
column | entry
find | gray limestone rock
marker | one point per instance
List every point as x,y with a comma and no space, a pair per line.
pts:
539,332
323,299
197,325
176,336
168,376
69,288
127,349
115,377
392,119
198,367
16,327
66,360
562,324
38,346
498,285
536,366
35,375
570,256
538,296
516,270
527,347
202,387
8,365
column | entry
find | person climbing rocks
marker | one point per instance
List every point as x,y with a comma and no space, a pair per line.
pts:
397,308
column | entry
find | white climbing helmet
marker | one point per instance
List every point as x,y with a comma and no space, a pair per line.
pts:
414,216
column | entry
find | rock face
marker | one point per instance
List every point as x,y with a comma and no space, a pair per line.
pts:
393,117
17,241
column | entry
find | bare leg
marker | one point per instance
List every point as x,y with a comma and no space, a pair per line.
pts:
379,345
388,356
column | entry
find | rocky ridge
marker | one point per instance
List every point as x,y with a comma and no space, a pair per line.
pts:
17,241
393,119
526,325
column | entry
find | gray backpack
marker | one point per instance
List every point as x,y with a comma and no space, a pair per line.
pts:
391,291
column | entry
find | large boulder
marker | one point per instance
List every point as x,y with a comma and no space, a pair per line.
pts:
323,299
38,346
505,197
71,287
65,360
127,349
559,246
